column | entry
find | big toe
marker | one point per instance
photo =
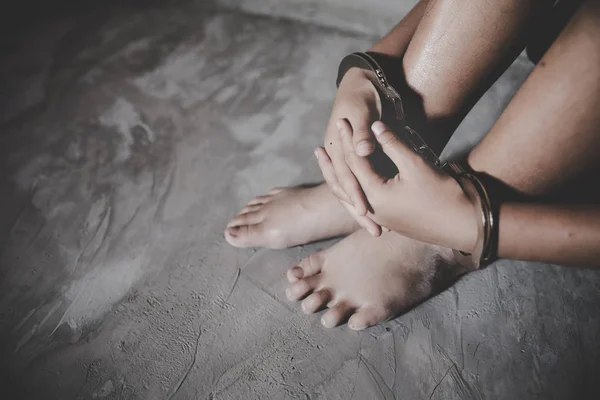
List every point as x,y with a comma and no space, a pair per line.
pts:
246,218
309,266
245,235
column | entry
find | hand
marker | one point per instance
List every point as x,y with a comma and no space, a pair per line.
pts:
421,202
358,102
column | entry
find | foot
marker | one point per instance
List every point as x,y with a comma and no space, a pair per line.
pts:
366,280
291,216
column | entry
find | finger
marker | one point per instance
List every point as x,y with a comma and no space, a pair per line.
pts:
363,140
360,166
393,147
347,180
336,315
328,172
371,226
351,187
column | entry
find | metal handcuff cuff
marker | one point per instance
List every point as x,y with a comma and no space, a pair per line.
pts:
472,184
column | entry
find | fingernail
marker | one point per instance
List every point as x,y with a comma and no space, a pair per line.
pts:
363,148
378,127
372,231
288,293
317,154
338,123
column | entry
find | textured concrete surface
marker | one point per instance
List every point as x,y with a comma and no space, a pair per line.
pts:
370,17
127,141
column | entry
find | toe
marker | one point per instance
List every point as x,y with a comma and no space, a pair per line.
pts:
250,218
336,315
315,301
302,288
276,190
312,264
245,235
250,208
367,316
259,200
294,274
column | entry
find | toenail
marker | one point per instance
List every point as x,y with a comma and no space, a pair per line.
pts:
355,327
297,272
327,322
363,148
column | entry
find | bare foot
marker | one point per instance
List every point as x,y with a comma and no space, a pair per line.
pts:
291,216
366,280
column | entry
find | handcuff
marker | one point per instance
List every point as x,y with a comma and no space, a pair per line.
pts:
472,183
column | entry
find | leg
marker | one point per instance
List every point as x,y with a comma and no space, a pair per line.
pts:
557,138
435,70
287,217
461,48
400,272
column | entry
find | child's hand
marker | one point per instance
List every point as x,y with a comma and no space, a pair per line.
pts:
420,202
358,102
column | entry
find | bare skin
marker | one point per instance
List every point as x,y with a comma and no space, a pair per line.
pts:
362,292
275,223
356,102
291,216
366,280
362,304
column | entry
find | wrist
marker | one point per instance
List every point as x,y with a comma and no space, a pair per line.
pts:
358,78
462,232
466,226
361,82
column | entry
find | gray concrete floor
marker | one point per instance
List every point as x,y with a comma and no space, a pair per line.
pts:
127,141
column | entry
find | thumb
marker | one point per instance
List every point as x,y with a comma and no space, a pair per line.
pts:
392,146
362,137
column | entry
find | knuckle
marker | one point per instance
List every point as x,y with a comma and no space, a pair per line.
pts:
360,132
388,138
